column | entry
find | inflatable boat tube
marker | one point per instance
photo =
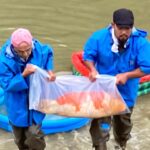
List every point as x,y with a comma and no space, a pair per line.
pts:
145,79
143,92
75,72
144,85
51,126
78,63
51,123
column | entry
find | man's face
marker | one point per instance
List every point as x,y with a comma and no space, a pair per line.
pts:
122,33
24,50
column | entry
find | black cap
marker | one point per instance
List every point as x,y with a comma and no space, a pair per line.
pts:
123,17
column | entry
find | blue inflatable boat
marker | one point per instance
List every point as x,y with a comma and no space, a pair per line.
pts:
51,123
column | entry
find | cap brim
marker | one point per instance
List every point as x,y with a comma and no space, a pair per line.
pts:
125,25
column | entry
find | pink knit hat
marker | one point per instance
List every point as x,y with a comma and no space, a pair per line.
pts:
21,35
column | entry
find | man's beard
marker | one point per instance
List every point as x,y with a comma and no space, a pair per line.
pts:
121,43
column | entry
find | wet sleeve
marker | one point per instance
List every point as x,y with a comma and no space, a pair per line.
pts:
143,58
90,50
9,81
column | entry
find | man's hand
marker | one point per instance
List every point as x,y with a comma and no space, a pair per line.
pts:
92,75
52,76
121,78
29,69
93,72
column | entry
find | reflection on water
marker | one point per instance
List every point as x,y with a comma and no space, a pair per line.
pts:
66,24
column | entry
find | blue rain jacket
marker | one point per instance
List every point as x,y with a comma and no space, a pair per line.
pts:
136,55
16,87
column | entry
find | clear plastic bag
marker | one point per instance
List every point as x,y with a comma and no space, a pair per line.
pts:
75,96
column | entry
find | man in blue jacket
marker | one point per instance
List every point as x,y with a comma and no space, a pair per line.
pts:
123,51
16,59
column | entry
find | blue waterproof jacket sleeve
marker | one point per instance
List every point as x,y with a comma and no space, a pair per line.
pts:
90,50
10,82
144,54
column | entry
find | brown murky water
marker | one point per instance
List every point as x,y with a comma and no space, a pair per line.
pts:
66,24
